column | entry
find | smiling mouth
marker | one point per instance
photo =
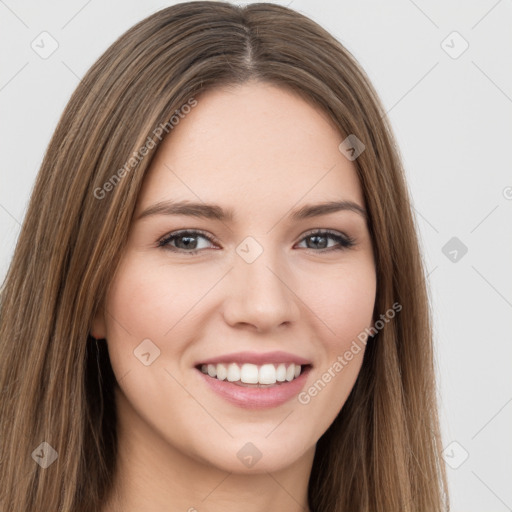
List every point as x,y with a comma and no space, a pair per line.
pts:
254,376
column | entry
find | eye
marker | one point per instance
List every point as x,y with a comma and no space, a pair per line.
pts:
186,241
321,237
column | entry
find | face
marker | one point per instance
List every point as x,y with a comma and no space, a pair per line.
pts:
258,290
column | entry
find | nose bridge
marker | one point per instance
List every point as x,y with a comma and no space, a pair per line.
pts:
257,264
261,290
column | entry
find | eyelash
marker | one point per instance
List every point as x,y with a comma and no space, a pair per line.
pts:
345,242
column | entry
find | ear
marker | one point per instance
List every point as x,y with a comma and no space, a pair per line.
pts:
98,327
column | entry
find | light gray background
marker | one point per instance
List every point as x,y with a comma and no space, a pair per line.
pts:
453,121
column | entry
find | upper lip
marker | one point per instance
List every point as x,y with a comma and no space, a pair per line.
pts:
257,358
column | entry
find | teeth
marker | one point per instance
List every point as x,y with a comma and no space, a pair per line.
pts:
233,373
222,372
266,374
253,374
281,373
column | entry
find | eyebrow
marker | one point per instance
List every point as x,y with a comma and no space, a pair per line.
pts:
215,212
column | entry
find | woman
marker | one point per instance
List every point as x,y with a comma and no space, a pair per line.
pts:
172,336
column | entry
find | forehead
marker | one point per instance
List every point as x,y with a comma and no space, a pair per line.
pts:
252,146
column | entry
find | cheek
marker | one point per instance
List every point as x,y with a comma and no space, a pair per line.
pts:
148,300
152,301
344,310
343,301
133,306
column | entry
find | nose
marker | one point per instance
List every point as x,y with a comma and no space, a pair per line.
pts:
261,294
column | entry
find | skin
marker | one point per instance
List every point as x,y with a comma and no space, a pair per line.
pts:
261,151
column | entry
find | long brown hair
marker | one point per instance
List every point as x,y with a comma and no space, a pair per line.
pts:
382,452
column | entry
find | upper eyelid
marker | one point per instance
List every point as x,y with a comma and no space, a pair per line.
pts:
183,232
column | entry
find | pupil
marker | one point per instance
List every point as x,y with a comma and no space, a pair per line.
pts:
188,244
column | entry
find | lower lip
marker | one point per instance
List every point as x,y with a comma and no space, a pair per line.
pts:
257,398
